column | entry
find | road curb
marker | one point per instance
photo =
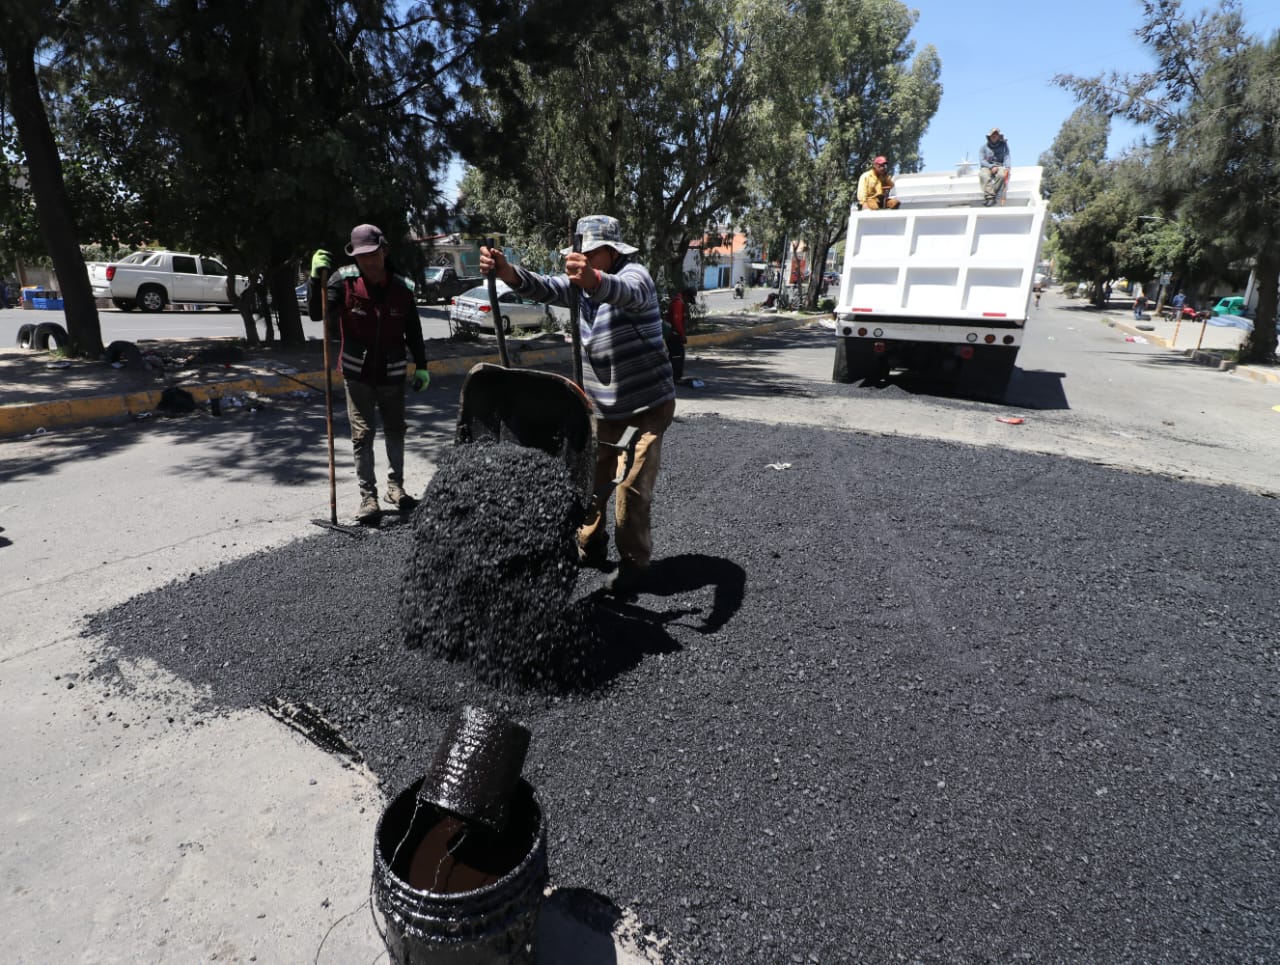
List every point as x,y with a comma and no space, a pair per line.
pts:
23,418
1199,356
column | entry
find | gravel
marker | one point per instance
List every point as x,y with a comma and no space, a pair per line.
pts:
903,700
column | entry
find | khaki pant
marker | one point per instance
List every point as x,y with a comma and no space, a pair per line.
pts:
364,402
874,203
992,182
634,494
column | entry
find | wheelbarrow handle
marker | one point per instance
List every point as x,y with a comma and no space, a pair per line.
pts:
626,445
575,331
495,307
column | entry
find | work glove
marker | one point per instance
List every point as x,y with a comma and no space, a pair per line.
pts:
321,261
421,379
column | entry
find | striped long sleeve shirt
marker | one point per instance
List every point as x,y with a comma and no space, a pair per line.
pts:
625,366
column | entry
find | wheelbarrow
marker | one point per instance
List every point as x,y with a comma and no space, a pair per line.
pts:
540,410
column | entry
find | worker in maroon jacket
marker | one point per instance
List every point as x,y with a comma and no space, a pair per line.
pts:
380,329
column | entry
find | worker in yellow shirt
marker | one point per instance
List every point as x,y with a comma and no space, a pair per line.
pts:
874,187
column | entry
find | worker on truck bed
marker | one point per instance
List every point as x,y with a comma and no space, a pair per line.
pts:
994,172
380,328
627,376
874,186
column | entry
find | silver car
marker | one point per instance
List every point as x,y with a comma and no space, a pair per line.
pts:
471,310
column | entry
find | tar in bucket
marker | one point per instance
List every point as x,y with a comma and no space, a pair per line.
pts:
460,859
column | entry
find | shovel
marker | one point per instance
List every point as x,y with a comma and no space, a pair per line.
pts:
332,522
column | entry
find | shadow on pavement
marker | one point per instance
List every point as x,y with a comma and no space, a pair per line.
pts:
284,439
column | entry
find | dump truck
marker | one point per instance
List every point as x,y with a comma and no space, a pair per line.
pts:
943,283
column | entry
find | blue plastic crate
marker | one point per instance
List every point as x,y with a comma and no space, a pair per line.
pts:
48,304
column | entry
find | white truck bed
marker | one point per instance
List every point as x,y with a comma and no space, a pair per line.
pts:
941,255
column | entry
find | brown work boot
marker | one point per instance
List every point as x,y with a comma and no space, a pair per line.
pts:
368,510
398,498
626,580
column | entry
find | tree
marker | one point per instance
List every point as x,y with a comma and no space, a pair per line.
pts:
854,91
652,123
25,26
1214,108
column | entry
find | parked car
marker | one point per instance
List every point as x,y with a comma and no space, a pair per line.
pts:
471,310
161,278
443,284
1232,305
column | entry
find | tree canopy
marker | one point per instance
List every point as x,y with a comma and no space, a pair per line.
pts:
1213,105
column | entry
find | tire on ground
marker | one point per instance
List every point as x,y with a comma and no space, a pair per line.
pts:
126,352
26,334
50,336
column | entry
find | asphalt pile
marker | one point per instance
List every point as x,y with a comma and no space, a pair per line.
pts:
491,574
899,700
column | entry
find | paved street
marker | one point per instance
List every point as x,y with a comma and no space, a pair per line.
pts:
181,827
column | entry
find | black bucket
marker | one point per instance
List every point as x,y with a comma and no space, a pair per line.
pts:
477,766
459,894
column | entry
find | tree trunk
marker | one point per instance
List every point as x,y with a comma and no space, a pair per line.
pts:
1259,346
283,280
245,304
53,207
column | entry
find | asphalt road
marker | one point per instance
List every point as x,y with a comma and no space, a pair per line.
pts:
985,691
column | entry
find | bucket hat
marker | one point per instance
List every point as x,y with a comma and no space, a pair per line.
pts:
365,240
994,132
599,230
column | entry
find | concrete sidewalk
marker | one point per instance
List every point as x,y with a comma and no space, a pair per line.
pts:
1201,342
40,393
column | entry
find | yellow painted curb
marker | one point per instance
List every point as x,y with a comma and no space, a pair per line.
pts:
23,418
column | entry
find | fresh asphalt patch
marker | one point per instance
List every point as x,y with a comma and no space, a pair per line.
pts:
883,699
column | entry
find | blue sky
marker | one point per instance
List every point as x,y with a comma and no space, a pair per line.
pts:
998,60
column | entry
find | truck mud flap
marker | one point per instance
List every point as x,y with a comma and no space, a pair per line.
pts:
857,359
986,375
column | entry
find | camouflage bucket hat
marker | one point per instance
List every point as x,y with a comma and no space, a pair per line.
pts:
598,230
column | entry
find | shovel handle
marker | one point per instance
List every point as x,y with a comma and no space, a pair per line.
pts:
496,308
574,330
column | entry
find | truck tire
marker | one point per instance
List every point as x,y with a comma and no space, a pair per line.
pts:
26,333
152,298
856,359
124,304
125,352
50,336
987,374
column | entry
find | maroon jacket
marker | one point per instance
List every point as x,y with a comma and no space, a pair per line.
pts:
379,325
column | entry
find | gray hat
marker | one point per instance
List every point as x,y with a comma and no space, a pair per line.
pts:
365,240
599,230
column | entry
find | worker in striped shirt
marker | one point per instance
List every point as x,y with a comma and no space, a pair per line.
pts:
626,374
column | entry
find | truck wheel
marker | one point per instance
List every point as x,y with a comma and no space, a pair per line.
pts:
152,299
124,304
25,334
50,336
987,374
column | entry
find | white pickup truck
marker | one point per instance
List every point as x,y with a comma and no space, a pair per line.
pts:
942,283
150,280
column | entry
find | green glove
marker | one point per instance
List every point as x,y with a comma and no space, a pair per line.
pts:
321,261
421,379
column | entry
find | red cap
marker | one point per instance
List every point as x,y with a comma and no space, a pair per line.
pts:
881,160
